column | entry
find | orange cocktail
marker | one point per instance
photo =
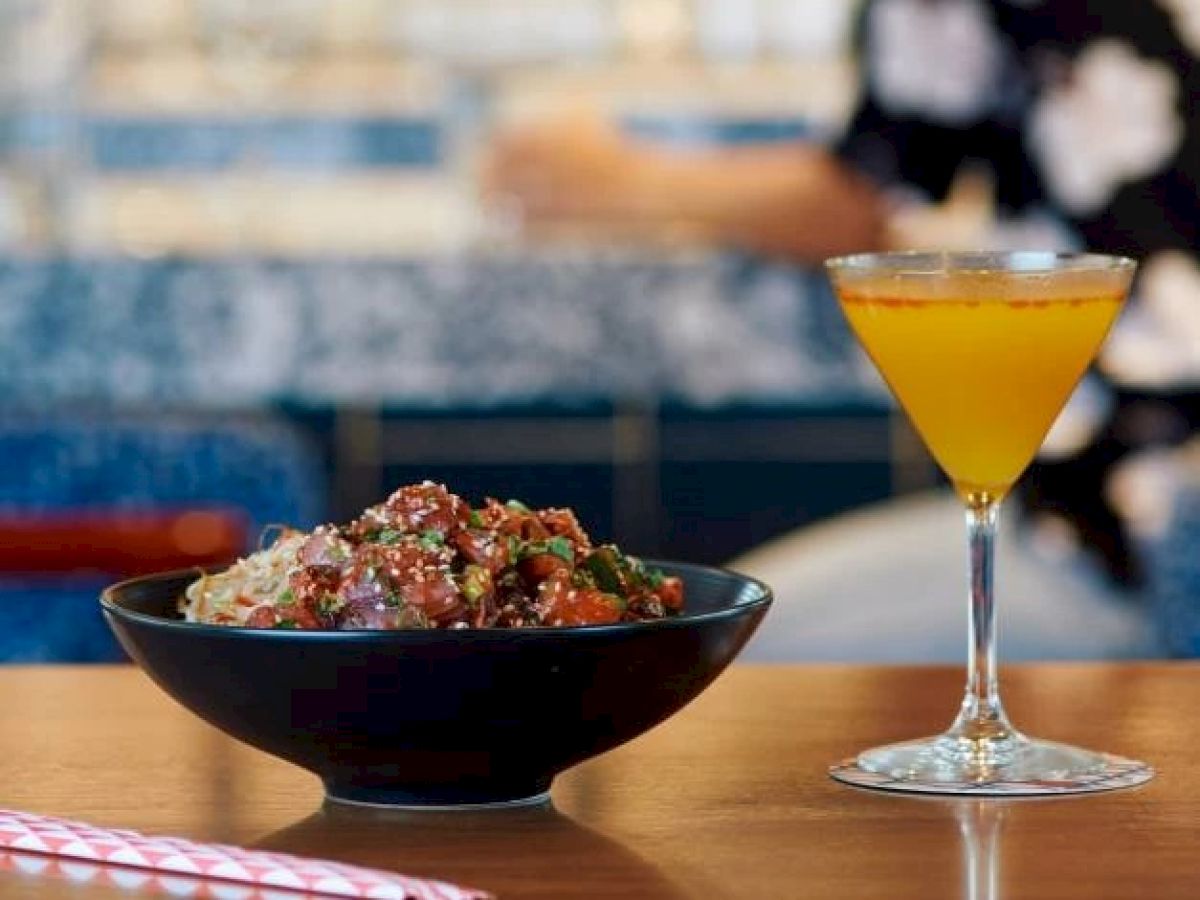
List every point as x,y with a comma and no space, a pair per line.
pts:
982,351
982,361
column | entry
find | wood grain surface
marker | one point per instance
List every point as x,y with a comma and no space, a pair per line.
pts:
728,799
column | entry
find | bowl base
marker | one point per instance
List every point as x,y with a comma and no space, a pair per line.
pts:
440,798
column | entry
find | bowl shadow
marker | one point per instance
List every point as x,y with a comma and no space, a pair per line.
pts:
527,852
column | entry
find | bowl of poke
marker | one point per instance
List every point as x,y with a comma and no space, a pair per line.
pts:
435,653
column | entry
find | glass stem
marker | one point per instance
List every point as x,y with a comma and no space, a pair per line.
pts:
982,729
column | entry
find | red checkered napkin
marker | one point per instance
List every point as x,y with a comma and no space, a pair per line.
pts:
170,858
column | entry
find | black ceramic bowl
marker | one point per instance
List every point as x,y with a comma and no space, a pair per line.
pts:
438,718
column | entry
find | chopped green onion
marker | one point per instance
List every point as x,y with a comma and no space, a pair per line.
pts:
475,583
329,603
431,540
561,547
286,598
605,566
389,536
475,520
517,506
285,624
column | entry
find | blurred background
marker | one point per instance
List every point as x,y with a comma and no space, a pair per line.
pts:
264,262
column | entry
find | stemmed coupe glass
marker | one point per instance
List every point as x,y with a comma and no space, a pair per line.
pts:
982,350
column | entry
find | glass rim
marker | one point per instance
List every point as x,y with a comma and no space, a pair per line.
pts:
1009,262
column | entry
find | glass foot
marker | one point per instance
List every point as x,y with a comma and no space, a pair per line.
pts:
1025,768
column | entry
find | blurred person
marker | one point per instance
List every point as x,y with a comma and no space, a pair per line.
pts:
1057,123
1042,124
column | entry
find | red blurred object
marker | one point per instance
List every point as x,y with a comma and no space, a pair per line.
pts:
119,542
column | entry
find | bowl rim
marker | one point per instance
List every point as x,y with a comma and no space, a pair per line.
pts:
765,596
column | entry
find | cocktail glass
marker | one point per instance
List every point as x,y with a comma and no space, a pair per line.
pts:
982,350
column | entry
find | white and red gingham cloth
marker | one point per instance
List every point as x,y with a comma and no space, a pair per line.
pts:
175,862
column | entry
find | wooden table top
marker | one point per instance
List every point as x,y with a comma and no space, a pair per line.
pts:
728,799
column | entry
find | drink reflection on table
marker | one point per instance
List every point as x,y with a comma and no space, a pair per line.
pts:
533,851
980,823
